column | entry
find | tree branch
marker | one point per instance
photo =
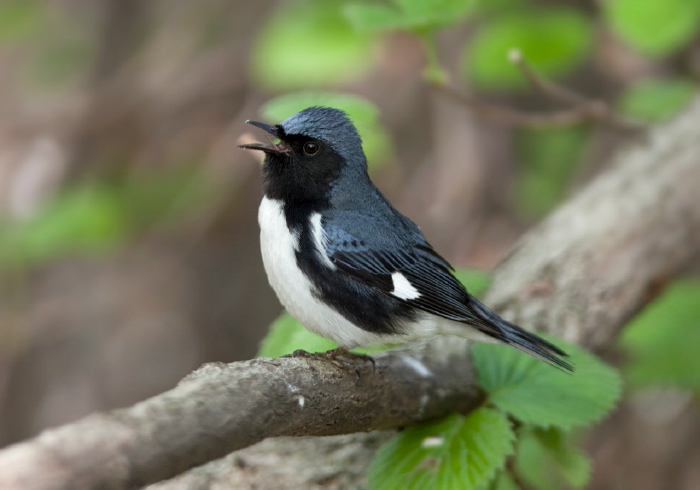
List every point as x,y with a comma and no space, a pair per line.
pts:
221,408
581,274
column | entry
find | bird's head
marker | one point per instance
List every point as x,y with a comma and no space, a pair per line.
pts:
316,146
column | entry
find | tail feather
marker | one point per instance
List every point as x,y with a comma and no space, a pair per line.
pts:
495,326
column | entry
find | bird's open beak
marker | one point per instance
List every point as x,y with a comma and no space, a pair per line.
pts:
280,147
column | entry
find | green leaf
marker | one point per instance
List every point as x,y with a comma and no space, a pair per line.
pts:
656,100
476,281
287,335
363,113
310,44
457,452
413,15
491,7
662,341
550,158
84,220
504,481
536,393
553,41
654,27
547,461
20,19
433,14
373,17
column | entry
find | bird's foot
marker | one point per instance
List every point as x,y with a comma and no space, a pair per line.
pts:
342,357
302,353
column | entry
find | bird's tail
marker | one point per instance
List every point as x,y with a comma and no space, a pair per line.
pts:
495,326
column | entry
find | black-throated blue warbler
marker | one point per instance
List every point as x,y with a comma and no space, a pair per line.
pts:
348,265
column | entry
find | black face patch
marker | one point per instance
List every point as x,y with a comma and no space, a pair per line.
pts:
304,173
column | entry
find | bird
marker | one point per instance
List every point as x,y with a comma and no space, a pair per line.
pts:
345,263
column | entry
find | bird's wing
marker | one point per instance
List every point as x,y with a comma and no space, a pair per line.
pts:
401,264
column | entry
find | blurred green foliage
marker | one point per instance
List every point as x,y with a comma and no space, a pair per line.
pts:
554,41
662,341
654,27
20,20
96,218
411,15
289,56
547,460
655,100
83,221
550,158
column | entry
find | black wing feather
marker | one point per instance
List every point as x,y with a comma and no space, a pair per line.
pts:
431,275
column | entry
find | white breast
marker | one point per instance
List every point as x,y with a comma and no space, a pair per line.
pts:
294,290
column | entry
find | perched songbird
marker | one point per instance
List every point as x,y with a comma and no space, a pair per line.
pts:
348,265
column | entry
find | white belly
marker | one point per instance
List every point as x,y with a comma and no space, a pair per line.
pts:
294,290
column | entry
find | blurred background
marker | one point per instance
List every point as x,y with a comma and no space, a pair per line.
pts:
128,216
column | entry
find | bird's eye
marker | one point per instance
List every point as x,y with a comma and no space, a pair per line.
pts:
311,148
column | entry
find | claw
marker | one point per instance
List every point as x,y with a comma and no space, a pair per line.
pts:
343,358
340,356
300,353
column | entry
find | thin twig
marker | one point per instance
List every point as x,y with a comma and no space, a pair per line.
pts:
594,109
513,117
582,109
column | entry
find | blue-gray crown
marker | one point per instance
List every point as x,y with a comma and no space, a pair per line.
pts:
328,124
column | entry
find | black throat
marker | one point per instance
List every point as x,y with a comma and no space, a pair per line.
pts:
298,180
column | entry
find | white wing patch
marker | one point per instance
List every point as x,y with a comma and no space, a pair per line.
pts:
403,289
319,237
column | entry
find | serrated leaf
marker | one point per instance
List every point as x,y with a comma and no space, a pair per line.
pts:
654,27
310,44
286,335
536,393
662,341
476,281
656,100
553,41
547,461
457,452
363,113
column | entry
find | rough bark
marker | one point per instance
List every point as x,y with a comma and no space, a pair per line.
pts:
581,274
221,408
